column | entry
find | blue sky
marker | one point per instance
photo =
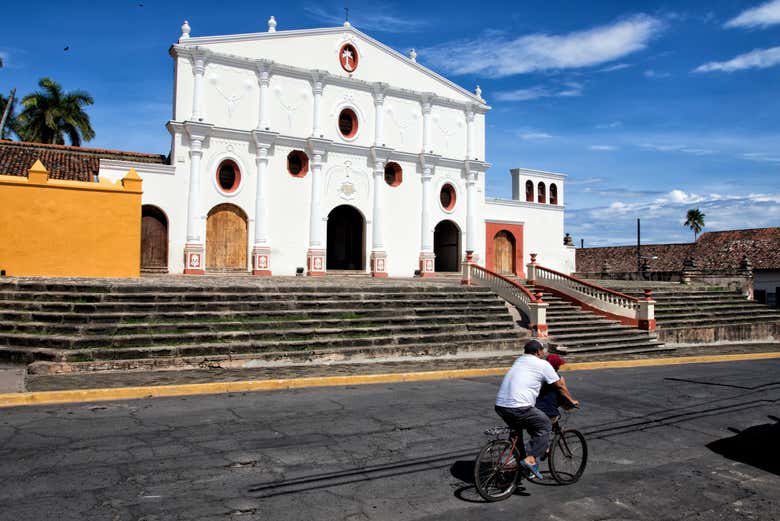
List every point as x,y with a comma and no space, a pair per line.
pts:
651,108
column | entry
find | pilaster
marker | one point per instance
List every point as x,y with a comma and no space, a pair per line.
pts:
193,250
315,255
263,74
427,256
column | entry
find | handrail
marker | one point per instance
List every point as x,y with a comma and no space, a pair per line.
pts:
482,273
589,284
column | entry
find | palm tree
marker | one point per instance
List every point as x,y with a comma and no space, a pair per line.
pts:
51,114
11,125
694,220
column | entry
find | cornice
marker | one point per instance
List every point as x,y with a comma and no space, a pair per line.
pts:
194,41
538,173
275,68
524,204
151,168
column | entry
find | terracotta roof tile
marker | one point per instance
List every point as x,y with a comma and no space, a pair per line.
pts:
63,162
712,251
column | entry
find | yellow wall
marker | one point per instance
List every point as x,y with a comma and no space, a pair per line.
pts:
50,227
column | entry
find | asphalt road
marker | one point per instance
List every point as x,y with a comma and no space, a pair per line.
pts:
663,445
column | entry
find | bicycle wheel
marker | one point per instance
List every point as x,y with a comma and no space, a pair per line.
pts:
568,456
495,471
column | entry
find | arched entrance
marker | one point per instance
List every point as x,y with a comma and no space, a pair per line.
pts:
226,244
154,240
345,239
504,253
446,246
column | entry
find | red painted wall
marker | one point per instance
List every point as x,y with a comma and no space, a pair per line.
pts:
491,229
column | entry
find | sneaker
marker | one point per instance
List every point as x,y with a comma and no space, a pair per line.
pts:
533,470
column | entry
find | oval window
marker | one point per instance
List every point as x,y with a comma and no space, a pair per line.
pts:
228,176
297,163
348,123
348,57
447,197
393,174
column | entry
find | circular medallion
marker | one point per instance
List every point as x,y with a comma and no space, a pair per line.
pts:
348,57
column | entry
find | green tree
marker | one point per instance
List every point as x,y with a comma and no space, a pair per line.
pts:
694,220
11,124
51,114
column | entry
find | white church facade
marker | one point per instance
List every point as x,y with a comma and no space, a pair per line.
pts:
326,150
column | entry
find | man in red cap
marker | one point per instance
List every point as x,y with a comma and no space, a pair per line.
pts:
550,397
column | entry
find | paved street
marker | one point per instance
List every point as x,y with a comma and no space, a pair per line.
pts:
663,445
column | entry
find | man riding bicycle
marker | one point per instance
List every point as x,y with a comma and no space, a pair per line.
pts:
517,396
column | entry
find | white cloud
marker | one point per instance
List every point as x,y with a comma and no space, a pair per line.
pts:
531,136
616,67
755,59
651,73
764,158
611,124
678,148
496,56
603,148
367,20
569,89
763,15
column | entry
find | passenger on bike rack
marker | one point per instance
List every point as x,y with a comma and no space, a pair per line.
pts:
549,399
517,397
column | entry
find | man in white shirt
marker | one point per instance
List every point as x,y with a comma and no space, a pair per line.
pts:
517,396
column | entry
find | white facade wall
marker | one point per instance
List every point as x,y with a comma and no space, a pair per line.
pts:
253,99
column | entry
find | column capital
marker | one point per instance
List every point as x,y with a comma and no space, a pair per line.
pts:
473,165
469,110
318,147
379,90
199,58
428,163
198,132
264,138
318,80
426,100
380,153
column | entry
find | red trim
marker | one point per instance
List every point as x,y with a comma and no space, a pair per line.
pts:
304,163
379,274
343,60
315,274
188,271
647,325
453,196
236,181
261,273
397,170
516,231
354,118
539,329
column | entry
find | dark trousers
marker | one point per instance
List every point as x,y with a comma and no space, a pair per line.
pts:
534,421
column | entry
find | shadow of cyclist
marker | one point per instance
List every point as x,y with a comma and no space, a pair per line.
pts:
756,446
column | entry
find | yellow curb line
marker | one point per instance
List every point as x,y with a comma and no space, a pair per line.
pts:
130,393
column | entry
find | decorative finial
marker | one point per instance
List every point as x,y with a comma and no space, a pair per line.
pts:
272,25
347,24
185,30
413,55
478,92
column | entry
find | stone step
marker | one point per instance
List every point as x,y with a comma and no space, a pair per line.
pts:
244,305
607,334
595,323
259,323
136,316
605,341
671,324
180,337
720,315
622,349
482,338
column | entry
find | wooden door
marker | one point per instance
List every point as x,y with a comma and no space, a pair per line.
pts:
504,253
154,239
226,240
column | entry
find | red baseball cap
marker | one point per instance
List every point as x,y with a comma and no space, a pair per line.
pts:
555,361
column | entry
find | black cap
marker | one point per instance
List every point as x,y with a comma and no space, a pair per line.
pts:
532,347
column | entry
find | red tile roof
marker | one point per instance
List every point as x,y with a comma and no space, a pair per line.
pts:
63,162
712,251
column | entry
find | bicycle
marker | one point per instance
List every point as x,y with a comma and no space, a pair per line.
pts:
497,467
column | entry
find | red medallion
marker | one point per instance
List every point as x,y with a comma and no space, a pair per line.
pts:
348,57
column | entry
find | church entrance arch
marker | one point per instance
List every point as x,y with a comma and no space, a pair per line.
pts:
154,239
504,253
346,239
446,246
226,239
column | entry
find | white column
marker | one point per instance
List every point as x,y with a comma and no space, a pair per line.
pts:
378,254
470,134
261,231
471,211
263,81
193,203
315,219
379,122
427,256
317,87
426,110
198,69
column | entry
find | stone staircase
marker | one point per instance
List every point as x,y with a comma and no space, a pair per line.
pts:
71,324
581,332
700,313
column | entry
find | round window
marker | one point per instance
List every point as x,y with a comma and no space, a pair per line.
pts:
393,174
228,176
297,163
447,197
348,123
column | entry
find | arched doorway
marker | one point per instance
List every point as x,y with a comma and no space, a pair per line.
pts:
154,240
504,253
345,239
226,241
446,246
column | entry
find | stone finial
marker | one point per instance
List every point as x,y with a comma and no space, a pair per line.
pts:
347,24
533,258
185,30
37,174
413,55
567,240
478,92
272,25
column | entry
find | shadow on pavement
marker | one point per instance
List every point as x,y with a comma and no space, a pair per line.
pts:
756,446
463,470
